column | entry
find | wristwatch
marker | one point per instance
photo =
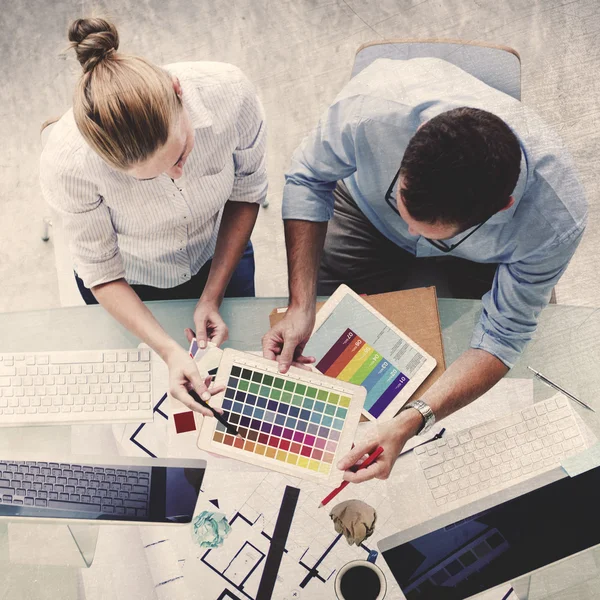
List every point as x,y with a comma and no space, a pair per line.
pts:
426,413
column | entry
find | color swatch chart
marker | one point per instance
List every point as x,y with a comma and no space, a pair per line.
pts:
351,359
286,421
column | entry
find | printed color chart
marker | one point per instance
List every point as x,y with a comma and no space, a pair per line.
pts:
352,359
299,423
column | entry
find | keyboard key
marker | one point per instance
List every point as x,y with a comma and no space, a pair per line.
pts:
430,461
74,506
429,474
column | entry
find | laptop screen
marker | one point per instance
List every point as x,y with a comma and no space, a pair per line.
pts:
502,543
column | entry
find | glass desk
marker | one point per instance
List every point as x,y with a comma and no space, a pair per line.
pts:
566,348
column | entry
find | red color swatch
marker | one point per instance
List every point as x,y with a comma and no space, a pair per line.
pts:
184,422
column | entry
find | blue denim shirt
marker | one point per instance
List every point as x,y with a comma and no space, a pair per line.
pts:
361,139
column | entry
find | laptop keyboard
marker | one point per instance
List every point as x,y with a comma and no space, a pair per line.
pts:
75,487
499,453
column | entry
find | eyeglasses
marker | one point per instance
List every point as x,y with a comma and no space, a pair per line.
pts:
439,244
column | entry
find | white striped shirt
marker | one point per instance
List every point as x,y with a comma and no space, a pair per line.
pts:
159,232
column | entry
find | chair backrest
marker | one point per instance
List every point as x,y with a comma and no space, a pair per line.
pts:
497,66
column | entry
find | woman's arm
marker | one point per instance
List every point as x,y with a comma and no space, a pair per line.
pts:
94,247
120,300
237,224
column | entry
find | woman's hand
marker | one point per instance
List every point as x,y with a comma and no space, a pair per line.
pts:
183,376
209,325
392,436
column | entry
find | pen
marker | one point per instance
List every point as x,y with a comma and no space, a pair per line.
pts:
369,460
218,416
557,387
437,436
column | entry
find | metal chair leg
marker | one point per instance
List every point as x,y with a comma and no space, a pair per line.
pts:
46,224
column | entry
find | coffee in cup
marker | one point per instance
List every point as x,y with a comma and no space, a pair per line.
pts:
360,580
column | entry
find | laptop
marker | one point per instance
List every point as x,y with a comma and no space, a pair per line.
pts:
91,489
498,538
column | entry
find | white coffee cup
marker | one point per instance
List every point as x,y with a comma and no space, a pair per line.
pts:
360,563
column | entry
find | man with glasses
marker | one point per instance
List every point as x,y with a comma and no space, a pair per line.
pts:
417,160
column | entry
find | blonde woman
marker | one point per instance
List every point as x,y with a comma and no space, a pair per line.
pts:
158,174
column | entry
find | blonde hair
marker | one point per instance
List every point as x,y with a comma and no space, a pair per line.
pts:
123,105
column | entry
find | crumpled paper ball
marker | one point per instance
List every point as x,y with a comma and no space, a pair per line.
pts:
355,519
210,529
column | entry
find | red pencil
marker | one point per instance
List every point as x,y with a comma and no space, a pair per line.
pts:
368,461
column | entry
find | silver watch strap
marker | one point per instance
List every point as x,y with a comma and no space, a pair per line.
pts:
426,413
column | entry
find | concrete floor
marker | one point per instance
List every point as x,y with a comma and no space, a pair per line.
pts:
299,54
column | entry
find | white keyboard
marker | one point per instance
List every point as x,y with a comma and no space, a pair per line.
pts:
499,453
52,388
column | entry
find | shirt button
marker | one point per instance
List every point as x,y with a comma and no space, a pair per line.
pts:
180,249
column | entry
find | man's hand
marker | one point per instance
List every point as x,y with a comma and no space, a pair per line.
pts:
184,375
285,341
210,327
392,436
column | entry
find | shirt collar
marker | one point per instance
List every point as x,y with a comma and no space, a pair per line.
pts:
199,114
504,216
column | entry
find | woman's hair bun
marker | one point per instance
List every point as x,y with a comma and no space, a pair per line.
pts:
92,40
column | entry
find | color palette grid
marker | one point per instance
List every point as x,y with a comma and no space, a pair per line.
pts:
351,359
282,419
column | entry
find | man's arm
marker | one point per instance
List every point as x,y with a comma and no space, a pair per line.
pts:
323,158
509,318
285,342
467,378
304,243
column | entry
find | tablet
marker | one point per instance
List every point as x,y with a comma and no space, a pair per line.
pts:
300,423
354,343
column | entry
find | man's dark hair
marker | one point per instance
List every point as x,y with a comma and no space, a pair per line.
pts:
460,168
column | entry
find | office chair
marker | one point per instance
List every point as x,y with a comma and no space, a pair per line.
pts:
497,66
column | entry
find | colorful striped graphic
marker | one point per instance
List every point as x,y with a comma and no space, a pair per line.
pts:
352,359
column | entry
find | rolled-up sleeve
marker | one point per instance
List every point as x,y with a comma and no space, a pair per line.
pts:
85,218
249,157
324,157
519,293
